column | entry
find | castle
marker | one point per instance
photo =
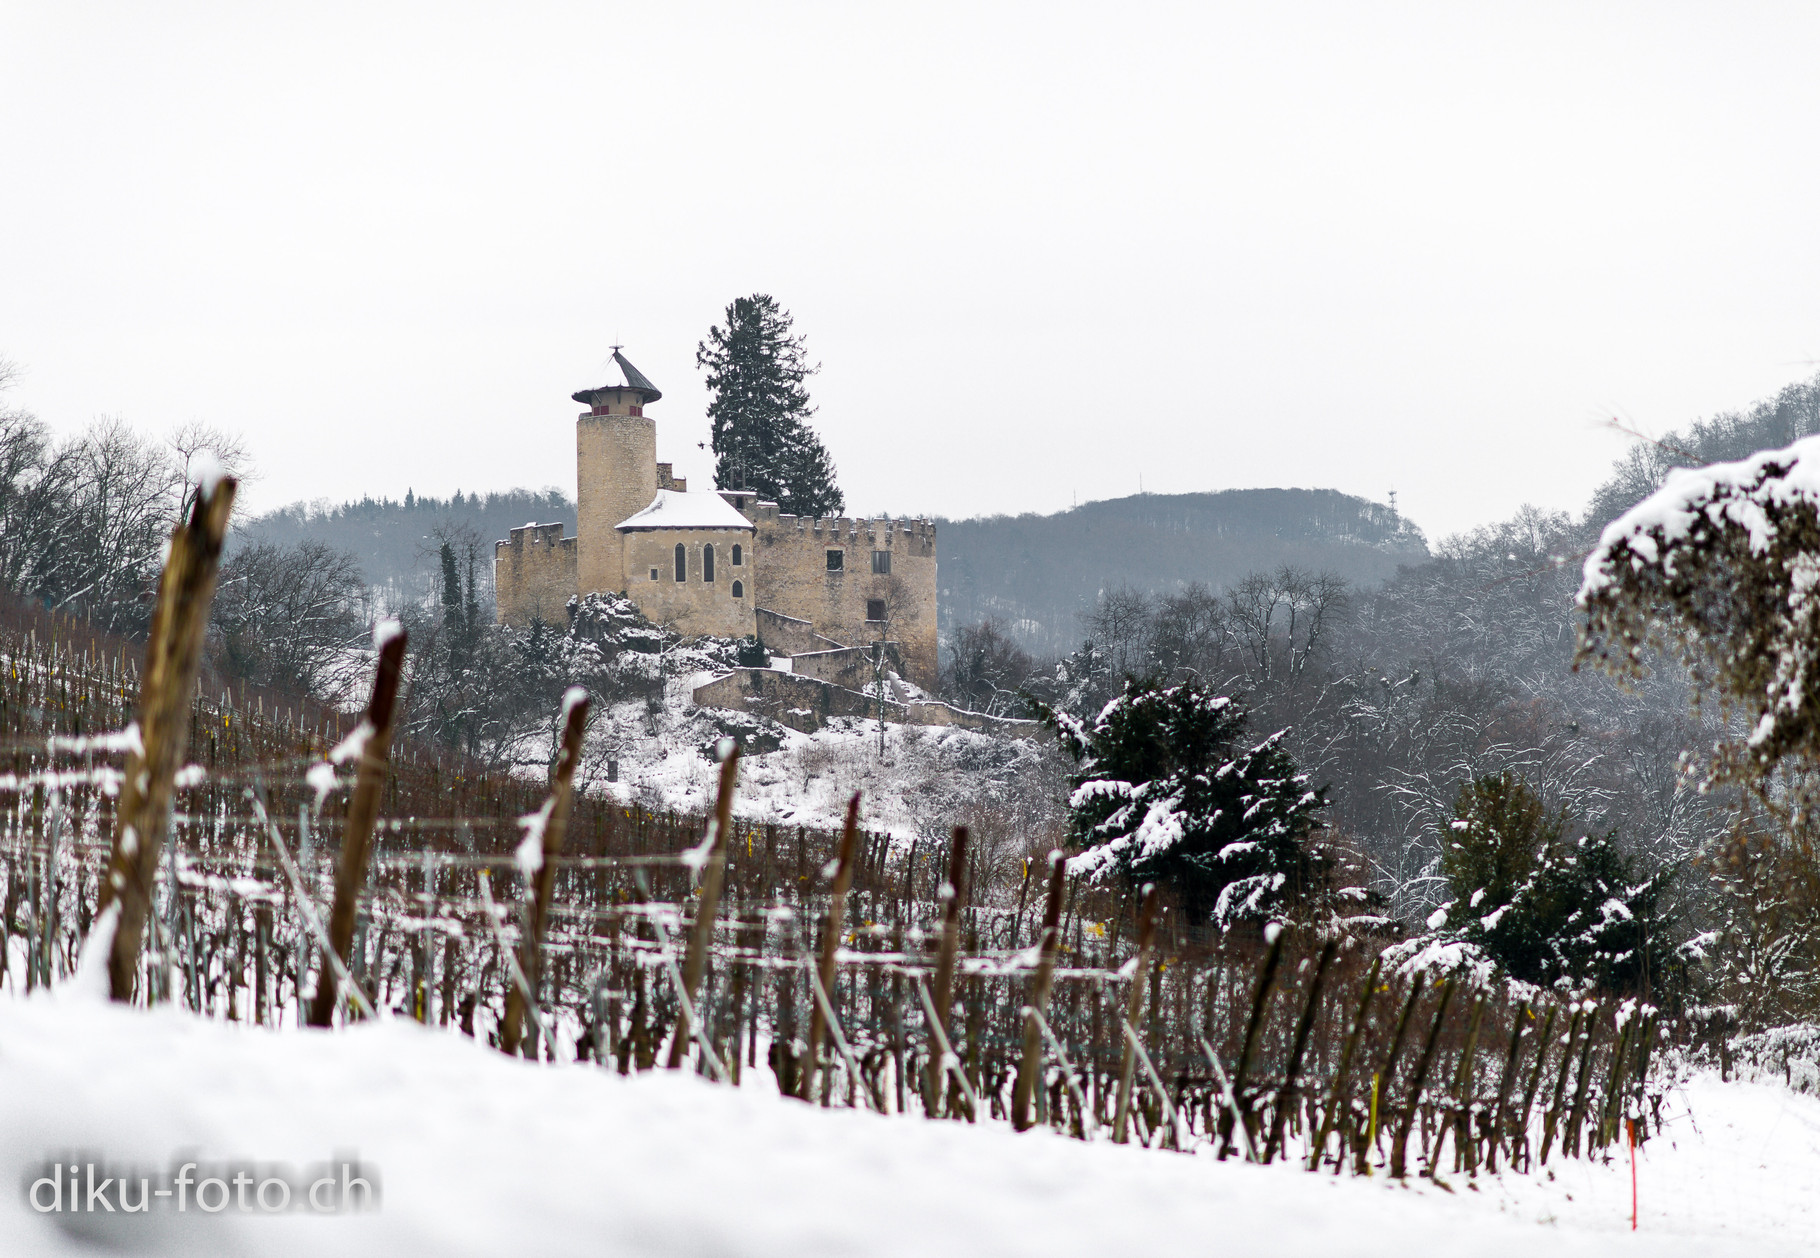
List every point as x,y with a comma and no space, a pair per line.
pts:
721,563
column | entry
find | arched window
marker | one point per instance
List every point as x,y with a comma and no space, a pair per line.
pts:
739,588
707,564
682,563
739,555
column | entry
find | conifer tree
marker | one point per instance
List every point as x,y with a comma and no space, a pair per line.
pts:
759,413
454,613
1548,909
1170,788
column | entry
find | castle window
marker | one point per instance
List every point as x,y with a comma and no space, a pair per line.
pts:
739,589
837,560
707,564
881,562
682,563
739,555
875,609
654,574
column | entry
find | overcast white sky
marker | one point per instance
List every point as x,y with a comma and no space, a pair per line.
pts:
1041,250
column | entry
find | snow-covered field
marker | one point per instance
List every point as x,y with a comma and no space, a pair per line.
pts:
478,1154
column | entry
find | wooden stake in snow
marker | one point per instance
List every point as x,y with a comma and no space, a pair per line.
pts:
954,898
1337,1094
707,907
837,906
172,653
1399,1149
371,741
1291,1089
1254,1031
1049,944
1134,1010
541,848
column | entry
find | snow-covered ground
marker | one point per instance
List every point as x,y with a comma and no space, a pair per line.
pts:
474,1153
919,782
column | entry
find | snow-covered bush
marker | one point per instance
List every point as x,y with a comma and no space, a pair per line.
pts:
1720,568
1170,788
1549,910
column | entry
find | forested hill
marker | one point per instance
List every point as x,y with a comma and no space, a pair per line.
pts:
397,541
1038,573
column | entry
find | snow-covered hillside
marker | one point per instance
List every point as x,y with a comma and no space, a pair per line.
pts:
474,1153
919,781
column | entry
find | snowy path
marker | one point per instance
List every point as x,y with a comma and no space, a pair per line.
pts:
481,1155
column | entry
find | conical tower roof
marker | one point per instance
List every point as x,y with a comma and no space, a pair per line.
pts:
623,376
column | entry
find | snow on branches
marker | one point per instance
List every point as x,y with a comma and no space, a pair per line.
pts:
1169,788
1719,569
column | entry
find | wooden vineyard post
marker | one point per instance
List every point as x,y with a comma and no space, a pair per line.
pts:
1505,1081
1465,1150
1553,1116
1640,1072
1576,1117
1292,1075
1342,1071
837,905
954,899
172,654
375,734
1030,1064
554,824
1254,1031
1610,1111
1134,1010
707,908
1521,1126
1399,1148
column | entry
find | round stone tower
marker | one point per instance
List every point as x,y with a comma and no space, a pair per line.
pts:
615,472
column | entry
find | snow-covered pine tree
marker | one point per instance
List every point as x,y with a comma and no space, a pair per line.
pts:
1550,910
759,410
1171,789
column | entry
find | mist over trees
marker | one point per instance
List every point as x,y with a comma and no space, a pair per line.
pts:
398,541
1037,574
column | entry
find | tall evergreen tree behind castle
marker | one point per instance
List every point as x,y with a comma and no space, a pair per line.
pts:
759,415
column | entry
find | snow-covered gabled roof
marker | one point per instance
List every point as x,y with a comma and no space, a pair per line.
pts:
673,510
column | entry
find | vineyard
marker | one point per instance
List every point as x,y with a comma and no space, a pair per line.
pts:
314,872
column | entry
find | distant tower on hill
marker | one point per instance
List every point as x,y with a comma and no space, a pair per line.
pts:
616,470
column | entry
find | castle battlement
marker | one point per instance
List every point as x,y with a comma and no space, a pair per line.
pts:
761,512
534,535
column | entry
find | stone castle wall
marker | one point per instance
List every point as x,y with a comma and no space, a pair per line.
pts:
806,704
616,478
852,603
693,606
534,575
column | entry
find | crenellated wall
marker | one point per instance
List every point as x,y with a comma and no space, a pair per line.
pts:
534,575
852,604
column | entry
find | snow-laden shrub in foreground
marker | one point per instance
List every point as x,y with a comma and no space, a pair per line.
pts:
1720,568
